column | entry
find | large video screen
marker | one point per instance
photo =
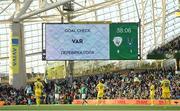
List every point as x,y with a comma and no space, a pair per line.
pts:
116,41
77,41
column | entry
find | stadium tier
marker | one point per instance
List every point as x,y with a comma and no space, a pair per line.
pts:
117,86
89,55
169,50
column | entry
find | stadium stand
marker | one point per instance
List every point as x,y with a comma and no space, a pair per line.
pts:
118,86
169,50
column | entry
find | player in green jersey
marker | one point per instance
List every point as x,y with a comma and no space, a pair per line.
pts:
83,92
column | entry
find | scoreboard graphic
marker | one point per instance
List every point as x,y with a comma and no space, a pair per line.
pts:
115,41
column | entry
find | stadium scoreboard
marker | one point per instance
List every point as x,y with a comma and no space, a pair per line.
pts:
102,41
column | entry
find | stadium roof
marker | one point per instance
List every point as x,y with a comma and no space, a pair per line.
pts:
158,22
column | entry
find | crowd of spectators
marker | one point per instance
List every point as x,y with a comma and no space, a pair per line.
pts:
132,85
169,48
12,96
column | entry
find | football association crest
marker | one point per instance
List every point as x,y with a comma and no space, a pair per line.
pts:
117,42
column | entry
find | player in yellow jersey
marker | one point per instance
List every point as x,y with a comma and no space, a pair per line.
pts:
152,93
38,87
165,85
100,89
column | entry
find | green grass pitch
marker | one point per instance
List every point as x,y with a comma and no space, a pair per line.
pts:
89,108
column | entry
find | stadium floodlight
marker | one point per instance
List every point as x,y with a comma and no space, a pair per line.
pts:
69,6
